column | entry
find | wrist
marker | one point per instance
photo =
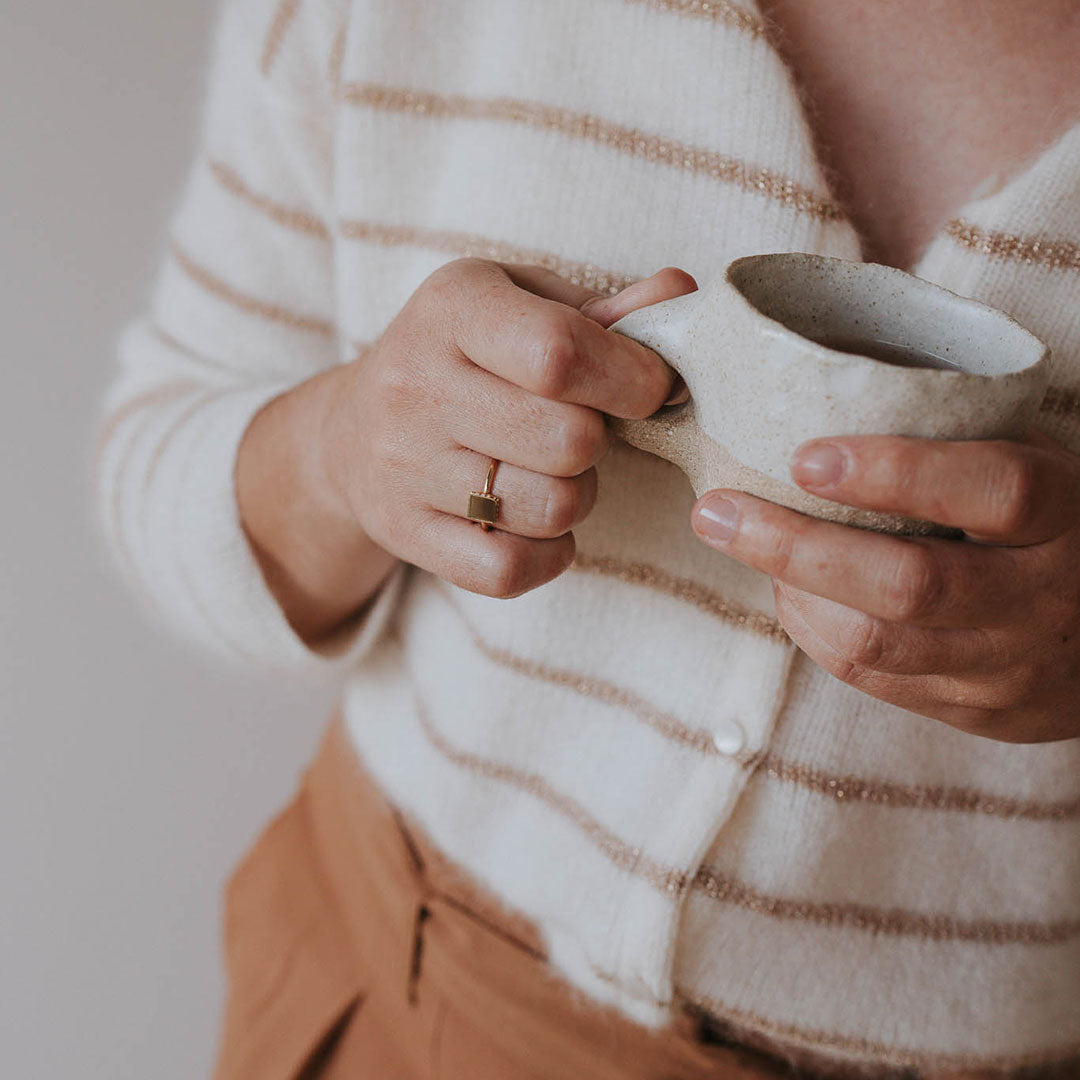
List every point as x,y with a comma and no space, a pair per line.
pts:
316,558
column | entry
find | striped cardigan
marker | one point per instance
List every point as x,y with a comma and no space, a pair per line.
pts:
634,755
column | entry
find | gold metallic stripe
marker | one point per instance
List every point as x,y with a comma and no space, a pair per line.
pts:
845,788
159,395
287,216
176,345
885,1053
855,790
1056,254
452,243
717,10
284,15
248,304
667,724
801,1047
684,589
1057,402
473,246
891,922
166,438
163,394
728,890
627,140
1061,402
630,859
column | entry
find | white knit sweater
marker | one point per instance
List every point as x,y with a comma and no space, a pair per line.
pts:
833,873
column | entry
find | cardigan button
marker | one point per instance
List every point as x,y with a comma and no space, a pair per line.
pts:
729,737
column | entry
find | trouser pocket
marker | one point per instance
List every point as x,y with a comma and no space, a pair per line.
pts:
292,982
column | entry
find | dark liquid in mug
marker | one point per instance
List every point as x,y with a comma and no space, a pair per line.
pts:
889,352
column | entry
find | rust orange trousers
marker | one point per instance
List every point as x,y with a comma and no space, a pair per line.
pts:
355,951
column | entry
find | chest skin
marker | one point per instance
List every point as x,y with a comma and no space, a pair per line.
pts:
916,104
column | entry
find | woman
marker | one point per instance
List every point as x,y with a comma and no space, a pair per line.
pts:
602,799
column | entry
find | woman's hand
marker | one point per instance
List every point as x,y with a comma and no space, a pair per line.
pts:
982,633
373,461
485,361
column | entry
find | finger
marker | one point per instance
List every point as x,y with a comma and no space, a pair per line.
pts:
924,582
982,706
496,418
858,642
493,563
603,308
999,491
530,504
548,348
663,285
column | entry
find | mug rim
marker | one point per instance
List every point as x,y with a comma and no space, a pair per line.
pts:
1037,350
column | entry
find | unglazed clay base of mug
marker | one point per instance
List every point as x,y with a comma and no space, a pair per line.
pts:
677,437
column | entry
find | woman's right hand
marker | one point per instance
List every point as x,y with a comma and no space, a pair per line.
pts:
490,360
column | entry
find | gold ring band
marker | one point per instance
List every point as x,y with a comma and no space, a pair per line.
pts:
483,505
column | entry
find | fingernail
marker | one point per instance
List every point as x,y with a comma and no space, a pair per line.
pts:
679,392
716,519
822,465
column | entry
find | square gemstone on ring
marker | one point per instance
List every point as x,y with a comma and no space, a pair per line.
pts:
483,507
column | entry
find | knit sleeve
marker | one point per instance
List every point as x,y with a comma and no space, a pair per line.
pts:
243,309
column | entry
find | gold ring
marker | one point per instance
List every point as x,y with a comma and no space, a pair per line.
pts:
483,506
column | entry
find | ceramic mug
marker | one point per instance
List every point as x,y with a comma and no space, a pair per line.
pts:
787,347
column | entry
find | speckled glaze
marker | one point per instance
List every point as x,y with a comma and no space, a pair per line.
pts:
760,385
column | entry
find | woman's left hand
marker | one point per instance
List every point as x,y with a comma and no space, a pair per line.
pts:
981,633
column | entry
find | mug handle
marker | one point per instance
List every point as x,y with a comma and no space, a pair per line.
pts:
668,432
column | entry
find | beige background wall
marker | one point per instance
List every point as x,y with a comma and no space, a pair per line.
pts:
132,774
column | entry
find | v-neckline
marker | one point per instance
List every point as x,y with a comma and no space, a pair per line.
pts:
1001,191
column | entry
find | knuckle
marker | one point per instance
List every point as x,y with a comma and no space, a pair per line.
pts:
440,285
384,454
916,586
865,644
581,442
776,546
395,386
390,445
847,671
901,461
1015,494
441,293
507,576
451,273
562,507
554,358
653,381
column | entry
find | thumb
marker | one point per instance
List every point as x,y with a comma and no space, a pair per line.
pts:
663,285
